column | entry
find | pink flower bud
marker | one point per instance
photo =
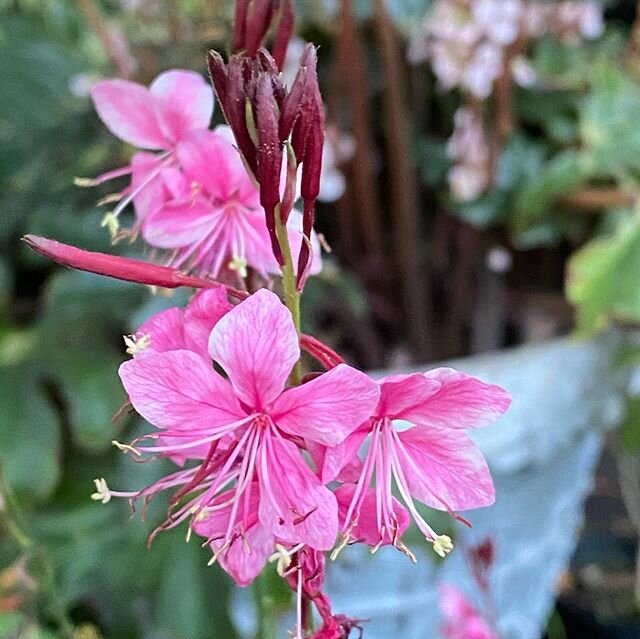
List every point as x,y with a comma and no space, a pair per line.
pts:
120,268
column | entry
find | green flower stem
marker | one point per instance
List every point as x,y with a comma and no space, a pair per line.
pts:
291,294
266,608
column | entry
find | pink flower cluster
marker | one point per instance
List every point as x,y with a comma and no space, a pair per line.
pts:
470,45
192,196
468,149
269,468
469,42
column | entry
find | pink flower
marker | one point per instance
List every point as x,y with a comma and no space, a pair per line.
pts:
157,118
210,215
462,620
182,329
433,462
253,427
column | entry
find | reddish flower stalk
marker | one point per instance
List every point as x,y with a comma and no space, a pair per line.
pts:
320,351
120,268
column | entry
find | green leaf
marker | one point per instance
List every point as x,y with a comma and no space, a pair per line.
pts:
81,347
559,176
603,281
629,432
15,624
607,121
489,209
432,160
29,437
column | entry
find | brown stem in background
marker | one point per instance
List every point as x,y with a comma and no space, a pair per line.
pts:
598,199
175,27
634,37
110,36
404,189
504,103
351,59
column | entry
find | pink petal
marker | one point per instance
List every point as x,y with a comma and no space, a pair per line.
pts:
147,183
202,313
342,462
166,330
336,462
127,109
366,529
248,193
208,159
176,184
403,396
184,102
328,408
463,401
294,505
454,603
188,329
445,469
176,225
258,251
248,553
178,390
257,345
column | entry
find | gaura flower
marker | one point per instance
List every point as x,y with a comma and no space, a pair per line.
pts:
433,462
210,215
253,426
156,119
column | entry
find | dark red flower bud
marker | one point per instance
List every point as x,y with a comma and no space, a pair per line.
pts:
218,74
240,25
323,353
284,32
255,18
258,21
299,94
269,156
235,107
310,186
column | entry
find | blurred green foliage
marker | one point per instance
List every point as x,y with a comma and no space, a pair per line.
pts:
570,171
60,346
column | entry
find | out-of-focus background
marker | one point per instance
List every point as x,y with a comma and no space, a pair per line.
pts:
481,191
